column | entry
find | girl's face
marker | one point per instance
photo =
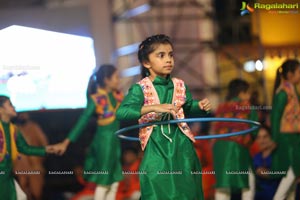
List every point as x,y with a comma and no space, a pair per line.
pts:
161,61
294,77
245,95
112,83
7,110
129,157
263,139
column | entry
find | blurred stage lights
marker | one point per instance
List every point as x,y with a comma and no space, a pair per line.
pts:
252,66
136,11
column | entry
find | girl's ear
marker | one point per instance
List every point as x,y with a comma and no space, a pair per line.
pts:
106,80
289,75
146,64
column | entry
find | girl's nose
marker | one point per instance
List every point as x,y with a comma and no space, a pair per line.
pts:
169,59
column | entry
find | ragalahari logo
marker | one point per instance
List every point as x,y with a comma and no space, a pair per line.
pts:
246,9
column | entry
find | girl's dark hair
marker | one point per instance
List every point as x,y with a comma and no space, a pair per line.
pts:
147,47
289,65
235,87
3,99
98,77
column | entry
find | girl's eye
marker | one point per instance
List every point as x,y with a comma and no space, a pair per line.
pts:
161,55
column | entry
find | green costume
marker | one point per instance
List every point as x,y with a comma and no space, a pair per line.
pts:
231,156
169,170
7,187
103,160
287,152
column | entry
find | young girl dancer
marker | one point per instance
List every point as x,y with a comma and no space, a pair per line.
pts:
285,125
12,142
170,168
103,160
232,161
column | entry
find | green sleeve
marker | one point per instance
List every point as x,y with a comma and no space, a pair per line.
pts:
83,121
191,107
130,108
279,103
254,117
24,148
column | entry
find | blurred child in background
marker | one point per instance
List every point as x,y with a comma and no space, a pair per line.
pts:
231,154
285,125
34,135
12,142
103,160
265,185
129,188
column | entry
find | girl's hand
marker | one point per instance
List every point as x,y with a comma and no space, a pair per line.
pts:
262,172
205,104
59,148
273,146
50,149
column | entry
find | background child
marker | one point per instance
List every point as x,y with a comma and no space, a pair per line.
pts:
129,188
265,185
285,125
204,153
88,191
34,135
170,164
103,160
231,154
12,142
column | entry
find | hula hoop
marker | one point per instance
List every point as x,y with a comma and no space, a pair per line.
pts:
255,124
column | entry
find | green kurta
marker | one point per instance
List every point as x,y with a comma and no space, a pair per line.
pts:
168,170
287,152
232,162
103,160
7,187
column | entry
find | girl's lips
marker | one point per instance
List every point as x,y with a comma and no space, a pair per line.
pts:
168,67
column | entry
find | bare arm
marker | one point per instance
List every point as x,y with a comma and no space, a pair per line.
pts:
159,108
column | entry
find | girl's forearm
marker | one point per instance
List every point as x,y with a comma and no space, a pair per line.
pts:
147,109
